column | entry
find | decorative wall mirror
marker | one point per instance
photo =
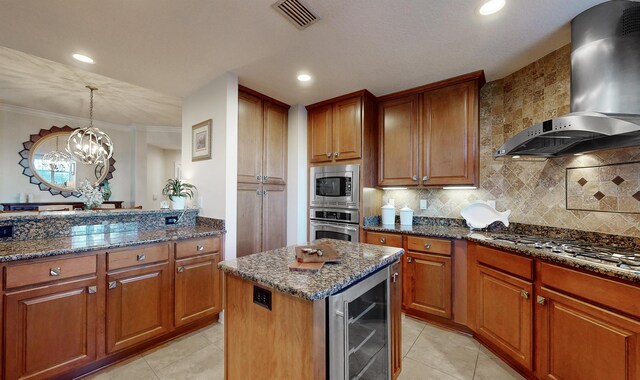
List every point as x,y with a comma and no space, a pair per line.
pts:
59,179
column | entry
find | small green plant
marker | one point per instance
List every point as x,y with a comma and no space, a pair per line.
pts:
177,188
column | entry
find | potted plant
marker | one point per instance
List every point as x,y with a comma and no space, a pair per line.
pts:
178,192
90,195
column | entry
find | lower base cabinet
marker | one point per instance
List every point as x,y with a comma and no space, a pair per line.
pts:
198,287
50,329
427,284
138,305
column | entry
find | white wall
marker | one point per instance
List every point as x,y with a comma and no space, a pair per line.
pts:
160,167
16,126
297,176
216,179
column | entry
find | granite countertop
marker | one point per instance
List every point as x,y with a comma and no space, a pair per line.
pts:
31,249
484,238
271,268
116,212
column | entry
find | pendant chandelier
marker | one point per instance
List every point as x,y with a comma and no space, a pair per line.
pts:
90,145
57,160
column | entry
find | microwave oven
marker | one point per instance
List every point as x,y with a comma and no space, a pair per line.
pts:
335,186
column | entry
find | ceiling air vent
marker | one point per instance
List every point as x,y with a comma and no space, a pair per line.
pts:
296,11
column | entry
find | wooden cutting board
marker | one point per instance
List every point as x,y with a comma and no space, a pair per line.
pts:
324,254
298,266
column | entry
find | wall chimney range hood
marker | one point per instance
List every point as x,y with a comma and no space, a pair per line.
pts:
605,88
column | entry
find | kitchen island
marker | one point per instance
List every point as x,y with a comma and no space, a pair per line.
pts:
278,319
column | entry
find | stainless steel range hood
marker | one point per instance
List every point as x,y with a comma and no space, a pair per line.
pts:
605,88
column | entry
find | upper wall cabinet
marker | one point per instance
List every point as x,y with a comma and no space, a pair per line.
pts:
335,127
429,135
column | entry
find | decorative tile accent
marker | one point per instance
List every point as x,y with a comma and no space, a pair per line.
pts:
607,188
637,196
582,181
598,195
618,180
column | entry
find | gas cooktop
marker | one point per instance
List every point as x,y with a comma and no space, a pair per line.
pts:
611,255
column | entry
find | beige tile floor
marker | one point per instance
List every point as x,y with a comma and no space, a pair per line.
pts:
429,352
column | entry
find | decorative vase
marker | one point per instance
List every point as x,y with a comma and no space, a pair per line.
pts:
177,203
106,191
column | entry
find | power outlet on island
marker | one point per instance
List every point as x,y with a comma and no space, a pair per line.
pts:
171,220
6,232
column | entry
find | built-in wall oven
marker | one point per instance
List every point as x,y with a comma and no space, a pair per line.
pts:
359,330
341,224
336,186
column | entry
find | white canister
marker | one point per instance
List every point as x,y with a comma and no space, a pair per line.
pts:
406,216
388,214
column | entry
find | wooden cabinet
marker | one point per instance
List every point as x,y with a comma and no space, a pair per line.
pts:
335,130
138,305
427,284
429,135
197,288
262,172
50,329
398,142
378,238
396,319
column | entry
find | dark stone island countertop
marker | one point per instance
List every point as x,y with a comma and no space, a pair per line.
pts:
36,248
271,268
484,238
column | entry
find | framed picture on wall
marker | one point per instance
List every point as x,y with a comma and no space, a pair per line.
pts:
201,141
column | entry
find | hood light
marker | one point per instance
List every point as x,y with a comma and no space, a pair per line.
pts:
394,188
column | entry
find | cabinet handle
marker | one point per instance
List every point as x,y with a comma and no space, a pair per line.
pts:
329,155
336,154
112,284
92,289
200,248
258,178
415,178
55,271
409,259
394,277
264,193
180,269
524,294
425,178
258,192
264,178
141,257
383,240
427,246
541,300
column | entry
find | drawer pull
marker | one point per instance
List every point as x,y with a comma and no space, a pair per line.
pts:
55,271
409,259
415,177
200,248
112,284
394,277
524,294
541,300
336,154
141,257
329,155
383,240
427,246
180,269
92,289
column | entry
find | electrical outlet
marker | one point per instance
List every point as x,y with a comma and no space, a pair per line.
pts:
155,197
171,220
262,297
423,204
6,232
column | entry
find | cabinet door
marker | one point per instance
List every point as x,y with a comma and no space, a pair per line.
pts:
449,135
197,292
504,313
577,340
50,330
249,225
138,305
274,217
275,144
347,129
319,119
396,319
250,132
427,284
398,155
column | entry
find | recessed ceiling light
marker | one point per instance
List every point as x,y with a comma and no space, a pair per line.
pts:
83,58
304,77
491,7
578,154
515,157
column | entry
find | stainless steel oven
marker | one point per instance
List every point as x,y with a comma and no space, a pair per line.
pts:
359,330
335,186
319,229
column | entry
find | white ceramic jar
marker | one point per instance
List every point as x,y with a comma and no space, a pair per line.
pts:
406,216
388,214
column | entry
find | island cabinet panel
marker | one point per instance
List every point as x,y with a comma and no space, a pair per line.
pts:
505,314
347,129
398,142
449,135
138,305
284,342
427,284
197,288
51,329
396,319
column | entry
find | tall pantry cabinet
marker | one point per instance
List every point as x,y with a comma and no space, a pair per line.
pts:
262,172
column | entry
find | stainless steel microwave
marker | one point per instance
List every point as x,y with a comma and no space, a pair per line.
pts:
335,186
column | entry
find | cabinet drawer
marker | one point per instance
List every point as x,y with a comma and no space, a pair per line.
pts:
429,245
137,256
194,247
390,240
35,273
506,262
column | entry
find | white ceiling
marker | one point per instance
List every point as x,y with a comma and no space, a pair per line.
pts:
175,47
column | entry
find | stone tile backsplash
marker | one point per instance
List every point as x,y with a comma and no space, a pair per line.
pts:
534,189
